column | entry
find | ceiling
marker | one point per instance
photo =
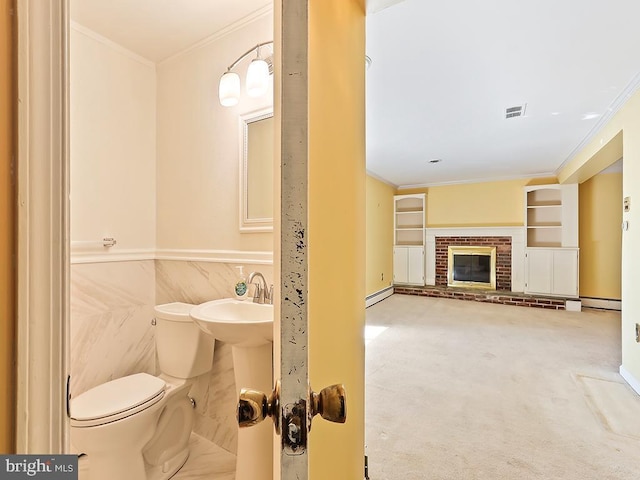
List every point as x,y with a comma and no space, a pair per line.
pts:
158,29
442,75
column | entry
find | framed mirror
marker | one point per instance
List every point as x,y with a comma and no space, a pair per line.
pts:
256,171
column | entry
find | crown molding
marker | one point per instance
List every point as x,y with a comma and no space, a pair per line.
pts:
380,179
111,44
229,29
615,106
478,180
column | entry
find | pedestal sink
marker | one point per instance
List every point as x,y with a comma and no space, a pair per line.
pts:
248,327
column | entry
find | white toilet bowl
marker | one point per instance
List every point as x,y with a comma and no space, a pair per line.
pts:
138,427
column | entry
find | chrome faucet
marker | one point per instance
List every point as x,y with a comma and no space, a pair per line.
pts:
261,294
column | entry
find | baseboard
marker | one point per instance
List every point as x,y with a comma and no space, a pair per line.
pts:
604,303
378,296
630,379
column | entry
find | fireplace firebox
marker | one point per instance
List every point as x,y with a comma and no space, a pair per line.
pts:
472,266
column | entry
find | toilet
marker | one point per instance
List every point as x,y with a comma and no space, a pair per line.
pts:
138,427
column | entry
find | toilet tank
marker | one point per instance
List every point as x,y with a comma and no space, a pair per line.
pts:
184,351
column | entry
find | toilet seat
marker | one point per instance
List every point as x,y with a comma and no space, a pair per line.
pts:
116,399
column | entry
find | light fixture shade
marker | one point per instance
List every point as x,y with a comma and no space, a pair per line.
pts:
257,78
229,89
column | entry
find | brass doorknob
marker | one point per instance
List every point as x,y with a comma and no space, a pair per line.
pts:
255,406
330,403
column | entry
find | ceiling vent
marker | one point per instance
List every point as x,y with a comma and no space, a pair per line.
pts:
517,111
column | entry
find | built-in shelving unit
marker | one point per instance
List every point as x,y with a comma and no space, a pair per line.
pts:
544,217
551,221
409,220
408,239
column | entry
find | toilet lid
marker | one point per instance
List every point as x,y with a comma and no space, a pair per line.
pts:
116,396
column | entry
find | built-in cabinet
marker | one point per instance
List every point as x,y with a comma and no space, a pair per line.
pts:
408,239
551,253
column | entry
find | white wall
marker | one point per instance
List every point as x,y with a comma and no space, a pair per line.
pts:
199,147
113,143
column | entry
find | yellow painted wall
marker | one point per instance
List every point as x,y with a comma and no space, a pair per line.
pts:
477,204
7,277
337,229
600,236
624,127
379,235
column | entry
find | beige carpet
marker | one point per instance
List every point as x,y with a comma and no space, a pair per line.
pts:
612,402
460,390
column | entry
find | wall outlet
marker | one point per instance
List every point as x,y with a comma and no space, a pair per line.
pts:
637,332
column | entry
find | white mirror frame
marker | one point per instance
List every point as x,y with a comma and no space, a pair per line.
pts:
248,224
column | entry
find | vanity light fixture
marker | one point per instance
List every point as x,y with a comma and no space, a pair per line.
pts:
257,81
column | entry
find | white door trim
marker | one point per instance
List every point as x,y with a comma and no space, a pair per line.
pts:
43,227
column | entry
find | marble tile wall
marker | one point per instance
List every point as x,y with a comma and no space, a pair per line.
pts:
215,394
111,311
112,336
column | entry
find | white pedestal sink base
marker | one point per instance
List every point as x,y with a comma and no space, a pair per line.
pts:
253,368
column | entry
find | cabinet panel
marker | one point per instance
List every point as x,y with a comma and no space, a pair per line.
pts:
565,273
400,265
416,266
539,271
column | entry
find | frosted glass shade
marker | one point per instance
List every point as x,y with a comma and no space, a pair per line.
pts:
229,89
257,78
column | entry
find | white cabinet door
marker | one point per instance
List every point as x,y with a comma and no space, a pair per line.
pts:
565,273
552,271
408,265
400,265
416,266
538,271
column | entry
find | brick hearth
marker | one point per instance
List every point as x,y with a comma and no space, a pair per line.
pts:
485,296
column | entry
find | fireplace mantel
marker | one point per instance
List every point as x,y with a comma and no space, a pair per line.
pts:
517,235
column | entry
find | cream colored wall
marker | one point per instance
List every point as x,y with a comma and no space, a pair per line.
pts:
7,216
337,229
113,144
199,147
600,236
379,235
477,204
582,167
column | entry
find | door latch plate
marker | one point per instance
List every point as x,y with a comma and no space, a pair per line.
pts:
294,428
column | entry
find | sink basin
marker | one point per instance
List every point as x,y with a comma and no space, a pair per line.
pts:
240,323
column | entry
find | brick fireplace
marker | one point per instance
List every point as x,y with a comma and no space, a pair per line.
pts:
503,256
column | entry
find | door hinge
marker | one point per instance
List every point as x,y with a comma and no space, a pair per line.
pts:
366,468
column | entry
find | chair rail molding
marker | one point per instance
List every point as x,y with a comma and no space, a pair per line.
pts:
43,227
